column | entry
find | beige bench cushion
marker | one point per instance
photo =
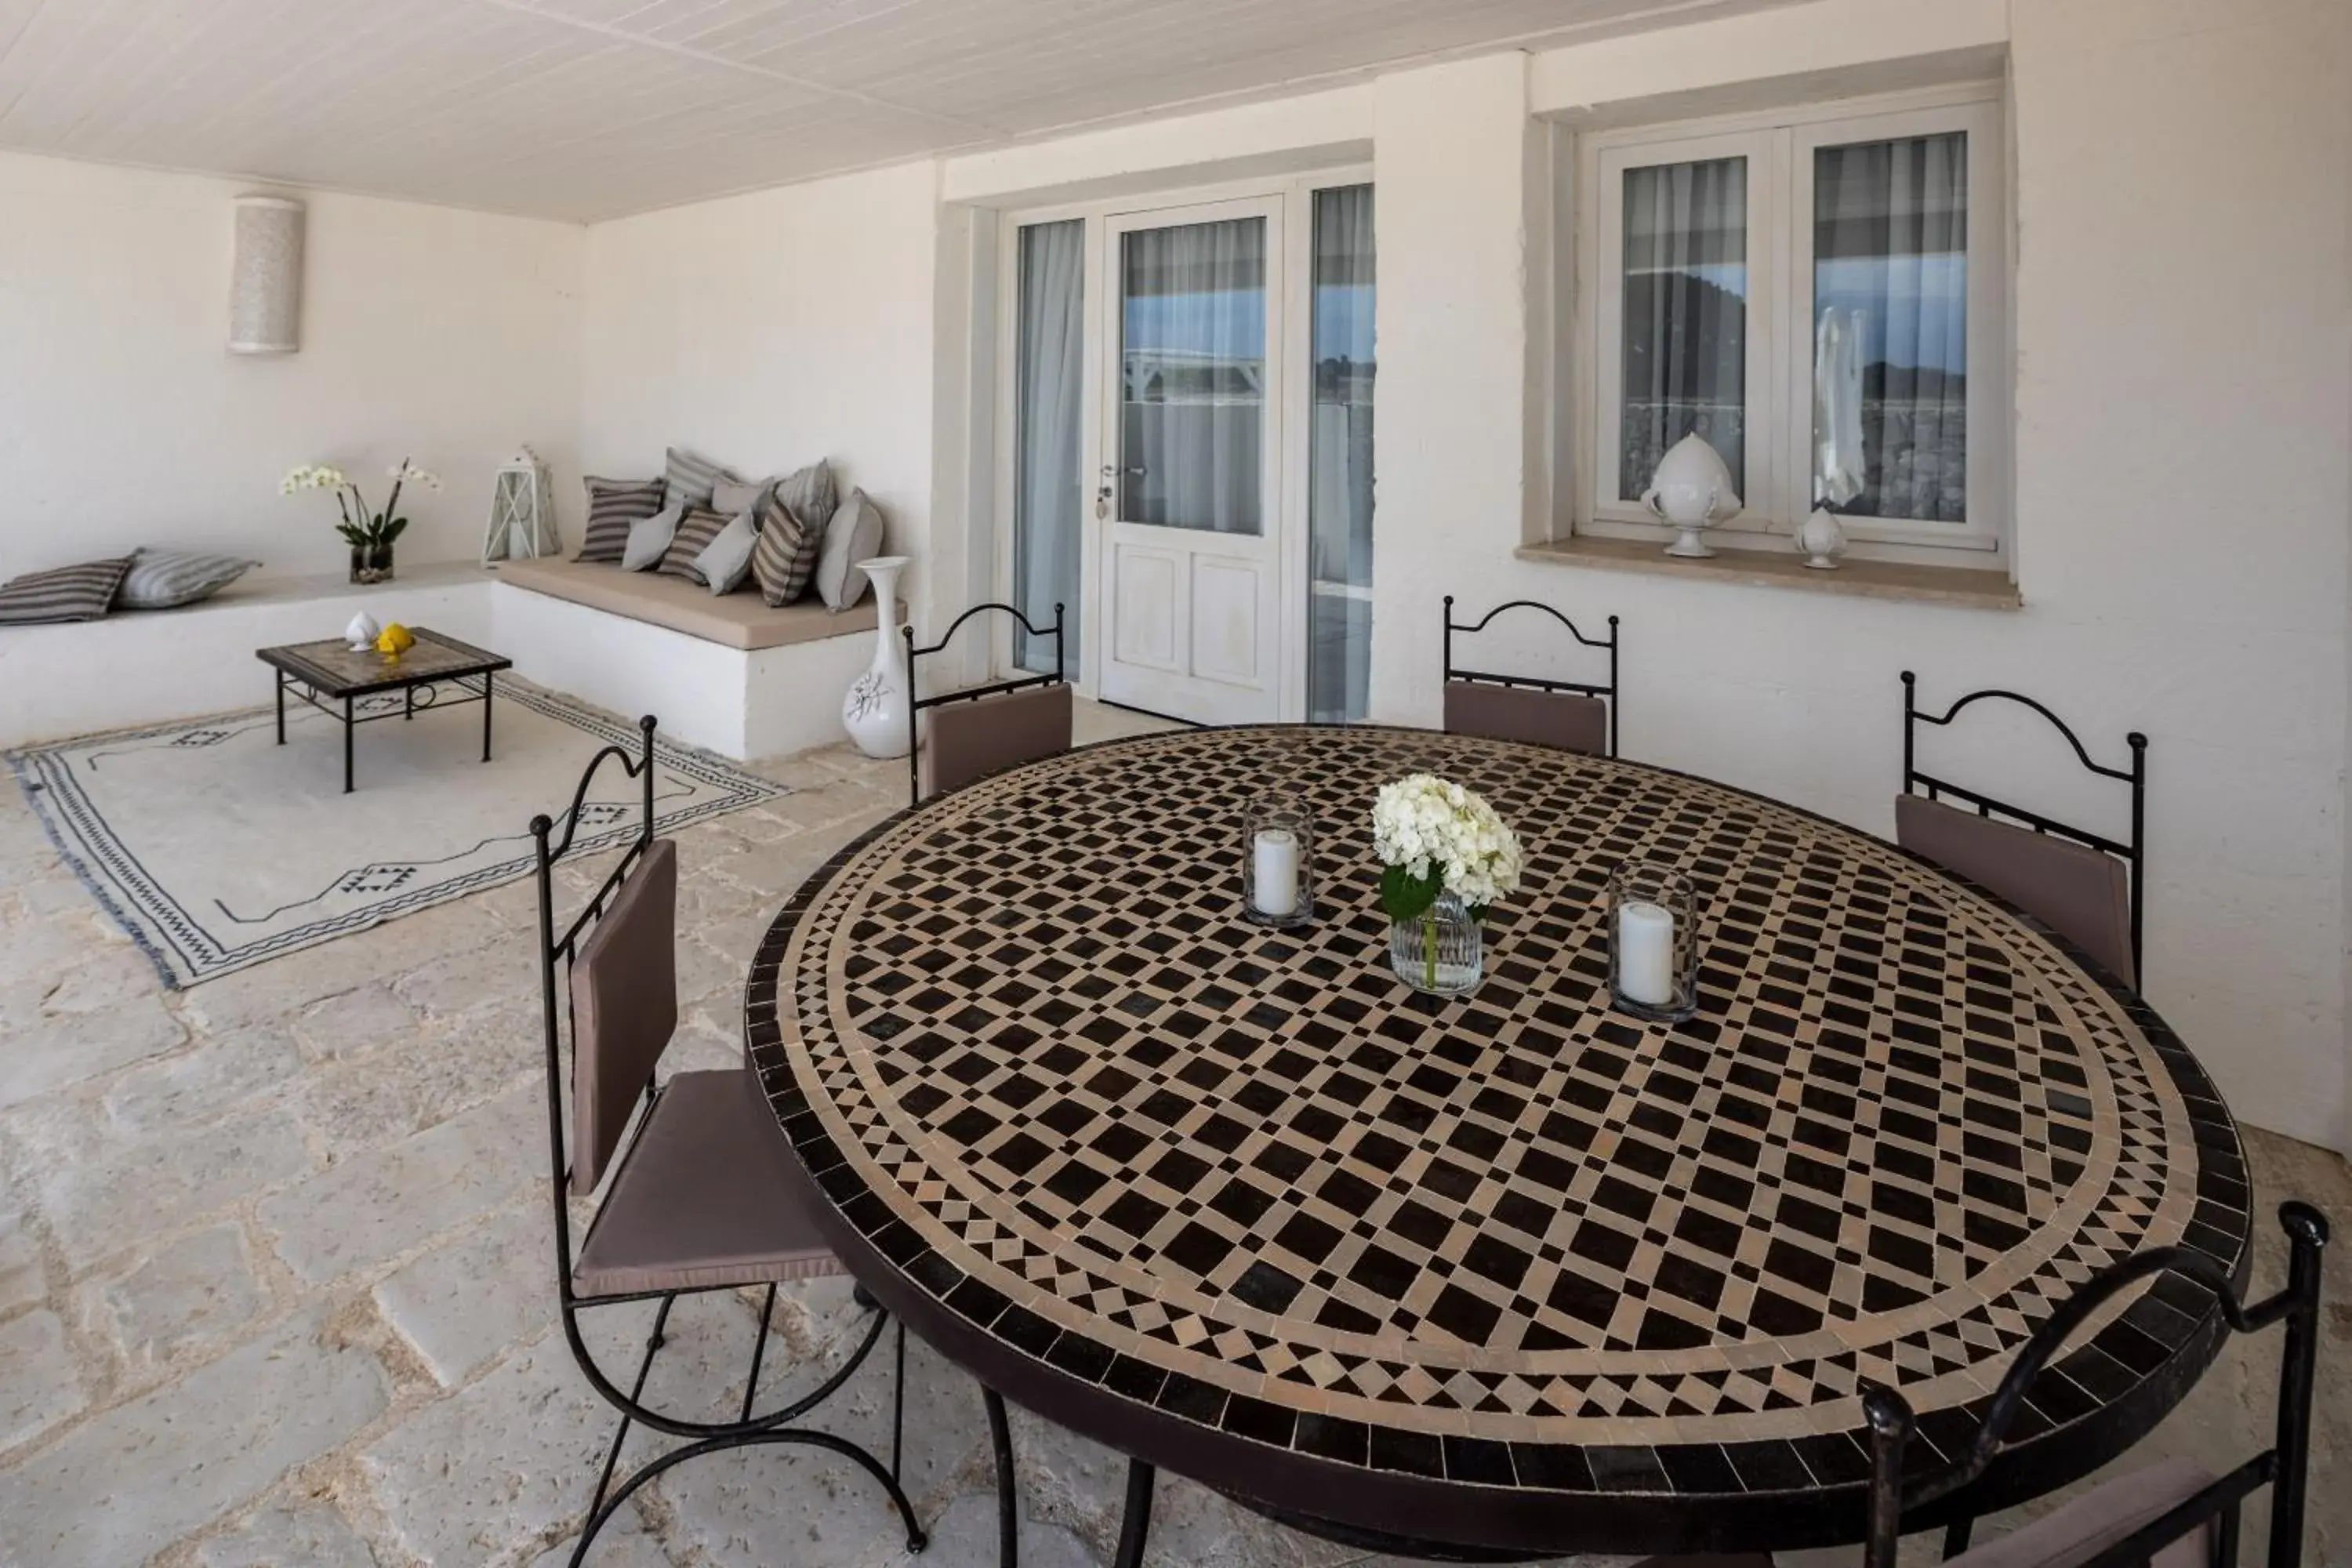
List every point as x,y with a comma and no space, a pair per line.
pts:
731,620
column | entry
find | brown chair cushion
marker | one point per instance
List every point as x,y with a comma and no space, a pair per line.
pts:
2077,892
2100,1517
624,1009
970,739
704,1199
1569,719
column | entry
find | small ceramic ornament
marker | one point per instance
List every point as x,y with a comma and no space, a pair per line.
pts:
1691,490
1821,540
394,640
362,632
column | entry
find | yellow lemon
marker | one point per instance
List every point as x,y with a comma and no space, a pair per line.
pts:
394,640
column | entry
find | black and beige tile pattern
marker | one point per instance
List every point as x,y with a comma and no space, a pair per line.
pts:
1245,1182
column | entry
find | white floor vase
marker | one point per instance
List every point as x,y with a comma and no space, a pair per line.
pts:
874,709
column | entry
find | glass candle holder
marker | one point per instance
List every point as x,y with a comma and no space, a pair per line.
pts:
1652,945
1279,863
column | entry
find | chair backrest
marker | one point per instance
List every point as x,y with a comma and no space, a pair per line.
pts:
2048,868
1576,715
970,739
2133,1521
972,749
589,992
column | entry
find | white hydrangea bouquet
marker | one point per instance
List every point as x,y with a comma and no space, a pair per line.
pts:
1438,840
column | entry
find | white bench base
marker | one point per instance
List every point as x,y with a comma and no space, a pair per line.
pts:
150,667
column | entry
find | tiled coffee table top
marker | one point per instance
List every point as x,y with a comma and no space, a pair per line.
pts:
335,668
1240,1196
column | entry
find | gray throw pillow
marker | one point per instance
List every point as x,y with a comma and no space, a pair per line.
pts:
809,494
80,592
733,497
649,539
166,579
854,534
726,560
689,479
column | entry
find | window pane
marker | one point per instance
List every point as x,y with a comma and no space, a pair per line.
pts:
1192,374
1047,493
1890,327
1340,459
1686,316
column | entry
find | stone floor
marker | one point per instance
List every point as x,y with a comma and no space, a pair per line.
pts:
275,1268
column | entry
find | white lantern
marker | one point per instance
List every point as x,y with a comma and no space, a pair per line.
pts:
265,299
523,512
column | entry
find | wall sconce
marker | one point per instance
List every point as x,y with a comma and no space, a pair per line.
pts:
265,299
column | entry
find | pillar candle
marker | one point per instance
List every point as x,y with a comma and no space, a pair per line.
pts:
1646,954
1273,880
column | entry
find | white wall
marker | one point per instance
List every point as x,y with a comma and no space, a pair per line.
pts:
2182,491
771,330
446,336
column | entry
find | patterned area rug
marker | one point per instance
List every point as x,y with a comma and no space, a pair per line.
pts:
215,848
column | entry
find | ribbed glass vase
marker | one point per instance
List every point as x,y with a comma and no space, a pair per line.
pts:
1443,952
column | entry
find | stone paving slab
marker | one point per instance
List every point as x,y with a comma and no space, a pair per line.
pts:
194,1293
467,1302
66,1048
213,1077
39,1387
132,1480
371,1209
287,1535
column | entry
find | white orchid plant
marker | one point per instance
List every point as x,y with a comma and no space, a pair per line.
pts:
1435,837
361,527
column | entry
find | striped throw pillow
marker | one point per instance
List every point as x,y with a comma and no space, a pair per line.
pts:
80,592
810,494
785,558
614,506
691,478
166,579
695,531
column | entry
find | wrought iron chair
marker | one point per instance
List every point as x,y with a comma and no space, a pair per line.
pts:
1573,715
980,729
673,1221
2086,885
2171,1515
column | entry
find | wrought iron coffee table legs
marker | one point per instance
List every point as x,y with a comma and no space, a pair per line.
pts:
1008,1491
281,706
486,678
1135,1524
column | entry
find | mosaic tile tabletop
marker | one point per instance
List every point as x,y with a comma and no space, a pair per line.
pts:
1237,1183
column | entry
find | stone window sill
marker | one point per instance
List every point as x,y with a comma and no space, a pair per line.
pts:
1963,586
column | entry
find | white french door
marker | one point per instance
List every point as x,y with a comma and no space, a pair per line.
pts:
1190,493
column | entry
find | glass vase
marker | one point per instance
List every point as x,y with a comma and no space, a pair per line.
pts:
1442,953
372,562
1279,863
1653,942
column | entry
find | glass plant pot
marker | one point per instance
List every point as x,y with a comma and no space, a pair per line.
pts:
1441,953
1279,863
371,563
1653,948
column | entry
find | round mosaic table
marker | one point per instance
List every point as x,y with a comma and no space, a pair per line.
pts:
1508,1273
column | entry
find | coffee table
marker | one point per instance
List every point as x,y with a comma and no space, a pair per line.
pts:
332,677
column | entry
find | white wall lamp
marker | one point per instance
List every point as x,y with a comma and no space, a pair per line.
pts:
265,299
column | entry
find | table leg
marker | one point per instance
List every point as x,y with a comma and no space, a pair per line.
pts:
486,678
1135,1524
407,703
1956,1536
281,707
1008,1493
347,745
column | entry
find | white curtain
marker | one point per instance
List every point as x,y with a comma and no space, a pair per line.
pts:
1340,458
1192,366
1890,268
1686,316
1048,489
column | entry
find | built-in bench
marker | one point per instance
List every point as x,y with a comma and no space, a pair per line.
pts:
725,673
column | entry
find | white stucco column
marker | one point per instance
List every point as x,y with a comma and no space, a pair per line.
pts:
1462,215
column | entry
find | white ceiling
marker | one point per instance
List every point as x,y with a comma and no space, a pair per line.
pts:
591,109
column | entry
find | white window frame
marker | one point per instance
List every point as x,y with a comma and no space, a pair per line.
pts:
1780,146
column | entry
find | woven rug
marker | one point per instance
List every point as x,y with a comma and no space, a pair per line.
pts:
215,848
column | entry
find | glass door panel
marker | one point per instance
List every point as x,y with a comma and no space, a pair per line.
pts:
1340,458
1049,485
1193,376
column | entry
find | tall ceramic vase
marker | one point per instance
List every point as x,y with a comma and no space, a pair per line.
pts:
874,710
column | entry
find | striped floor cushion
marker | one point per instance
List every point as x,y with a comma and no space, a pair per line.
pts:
614,506
80,592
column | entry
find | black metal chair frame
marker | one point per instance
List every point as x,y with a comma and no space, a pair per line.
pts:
970,693
2131,851
705,1437
2283,1466
1606,693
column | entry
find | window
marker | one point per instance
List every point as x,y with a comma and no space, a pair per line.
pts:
1340,459
1809,294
